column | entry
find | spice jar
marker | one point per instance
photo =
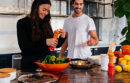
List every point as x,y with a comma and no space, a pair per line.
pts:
4,78
11,71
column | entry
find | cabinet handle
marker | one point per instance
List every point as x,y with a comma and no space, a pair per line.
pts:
58,51
96,49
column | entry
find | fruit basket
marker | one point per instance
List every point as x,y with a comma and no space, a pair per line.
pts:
123,64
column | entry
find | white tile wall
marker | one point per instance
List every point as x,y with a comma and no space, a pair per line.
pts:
8,37
57,23
109,28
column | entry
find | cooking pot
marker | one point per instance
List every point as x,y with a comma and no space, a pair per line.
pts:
80,64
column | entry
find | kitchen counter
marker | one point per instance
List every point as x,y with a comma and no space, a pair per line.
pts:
93,75
10,51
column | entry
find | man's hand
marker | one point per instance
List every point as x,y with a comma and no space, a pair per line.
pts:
62,33
91,42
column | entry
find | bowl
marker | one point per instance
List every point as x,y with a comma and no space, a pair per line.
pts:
55,68
95,59
125,49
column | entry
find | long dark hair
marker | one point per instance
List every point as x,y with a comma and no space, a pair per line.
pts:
40,27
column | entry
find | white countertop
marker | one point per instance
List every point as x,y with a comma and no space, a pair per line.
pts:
17,50
10,50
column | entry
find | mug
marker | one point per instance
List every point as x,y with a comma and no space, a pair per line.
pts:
104,62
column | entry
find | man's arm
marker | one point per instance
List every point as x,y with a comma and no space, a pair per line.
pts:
64,47
93,41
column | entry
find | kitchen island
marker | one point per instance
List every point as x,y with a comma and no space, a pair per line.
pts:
93,75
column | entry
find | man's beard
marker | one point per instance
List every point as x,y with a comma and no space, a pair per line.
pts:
76,11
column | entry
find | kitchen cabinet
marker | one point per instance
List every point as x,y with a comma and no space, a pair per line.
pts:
56,53
12,7
97,9
100,9
59,8
103,50
5,60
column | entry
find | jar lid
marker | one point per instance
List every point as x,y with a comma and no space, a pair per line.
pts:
4,75
7,70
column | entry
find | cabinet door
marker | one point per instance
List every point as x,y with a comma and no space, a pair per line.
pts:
65,54
5,60
118,48
100,50
59,8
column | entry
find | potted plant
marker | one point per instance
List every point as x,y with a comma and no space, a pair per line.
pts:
122,8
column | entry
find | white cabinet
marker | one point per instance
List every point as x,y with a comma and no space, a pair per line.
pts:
59,8
12,7
100,9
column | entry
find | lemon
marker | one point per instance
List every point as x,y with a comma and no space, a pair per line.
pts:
125,67
118,68
127,57
123,62
129,69
128,63
120,59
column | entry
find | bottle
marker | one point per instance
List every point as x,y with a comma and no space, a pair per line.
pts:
110,64
55,36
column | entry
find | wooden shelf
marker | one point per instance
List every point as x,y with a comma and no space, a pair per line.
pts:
59,15
97,17
12,13
99,2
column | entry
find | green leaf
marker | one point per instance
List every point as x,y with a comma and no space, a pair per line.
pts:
128,16
116,4
119,12
126,7
125,42
124,30
128,36
129,29
119,3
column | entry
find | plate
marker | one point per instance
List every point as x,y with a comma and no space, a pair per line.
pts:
43,77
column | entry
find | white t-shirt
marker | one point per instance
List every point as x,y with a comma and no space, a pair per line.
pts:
78,34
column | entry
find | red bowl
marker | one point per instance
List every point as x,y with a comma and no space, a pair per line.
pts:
56,68
126,49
